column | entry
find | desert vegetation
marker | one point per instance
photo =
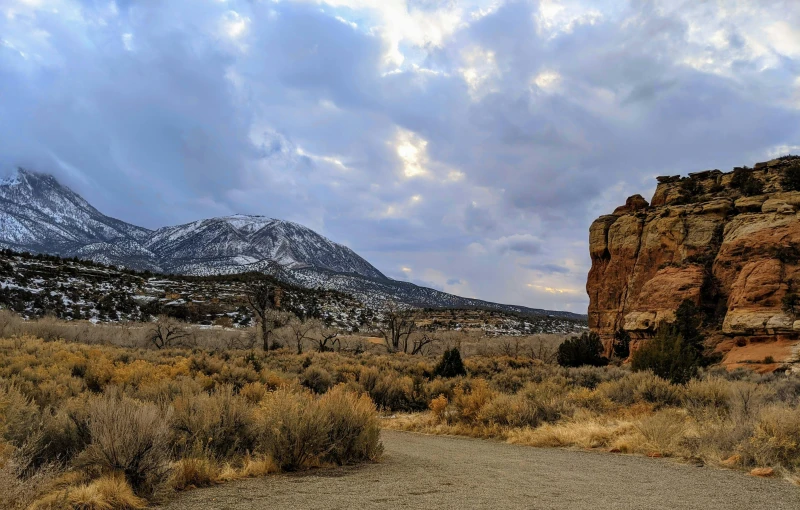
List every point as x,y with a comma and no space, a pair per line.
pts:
106,427
101,422
736,420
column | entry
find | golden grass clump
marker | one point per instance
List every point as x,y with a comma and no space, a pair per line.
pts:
109,492
193,472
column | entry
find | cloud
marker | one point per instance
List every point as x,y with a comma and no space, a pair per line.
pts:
472,141
518,243
548,268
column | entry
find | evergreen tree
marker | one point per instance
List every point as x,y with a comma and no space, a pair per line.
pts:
668,356
582,350
450,365
622,344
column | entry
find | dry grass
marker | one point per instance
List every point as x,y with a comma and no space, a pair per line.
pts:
193,472
110,492
73,414
104,427
708,420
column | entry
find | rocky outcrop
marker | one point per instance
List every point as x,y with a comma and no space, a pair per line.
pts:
730,242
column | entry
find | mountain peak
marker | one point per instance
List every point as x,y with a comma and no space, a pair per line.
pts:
42,216
38,214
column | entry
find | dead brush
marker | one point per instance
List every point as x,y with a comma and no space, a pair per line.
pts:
129,437
18,491
220,422
109,492
662,433
776,438
193,472
353,430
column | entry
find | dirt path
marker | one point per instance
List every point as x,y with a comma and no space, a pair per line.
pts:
435,472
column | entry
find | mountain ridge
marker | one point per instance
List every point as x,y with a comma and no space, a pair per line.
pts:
40,215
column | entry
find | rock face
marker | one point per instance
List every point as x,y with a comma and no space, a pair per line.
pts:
730,242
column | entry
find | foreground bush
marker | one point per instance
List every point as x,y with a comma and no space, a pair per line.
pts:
137,424
296,429
668,356
582,350
450,365
233,414
128,437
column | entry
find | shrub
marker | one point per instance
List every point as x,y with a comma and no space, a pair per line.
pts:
130,437
688,320
396,392
60,437
468,400
438,407
450,365
744,180
297,430
663,431
291,429
582,350
511,411
691,188
790,303
791,178
776,438
353,430
19,415
641,387
708,396
667,356
622,344
220,423
316,379
547,402
18,491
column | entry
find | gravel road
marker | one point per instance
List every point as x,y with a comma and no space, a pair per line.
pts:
437,472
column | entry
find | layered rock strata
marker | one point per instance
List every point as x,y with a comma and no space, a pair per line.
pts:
730,242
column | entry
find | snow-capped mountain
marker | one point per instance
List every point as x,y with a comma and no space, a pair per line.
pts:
39,215
224,245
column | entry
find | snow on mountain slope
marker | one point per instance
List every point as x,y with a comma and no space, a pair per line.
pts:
38,214
242,240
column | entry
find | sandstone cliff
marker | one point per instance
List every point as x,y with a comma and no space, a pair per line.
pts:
730,242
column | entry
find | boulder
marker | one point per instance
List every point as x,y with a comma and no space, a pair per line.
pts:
763,472
732,461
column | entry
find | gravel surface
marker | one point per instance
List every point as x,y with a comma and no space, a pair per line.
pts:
437,472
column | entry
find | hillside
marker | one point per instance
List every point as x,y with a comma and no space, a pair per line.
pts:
39,215
729,242
38,285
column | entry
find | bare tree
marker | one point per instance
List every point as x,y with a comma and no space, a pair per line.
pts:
510,348
260,294
419,341
301,331
397,326
326,337
166,331
544,350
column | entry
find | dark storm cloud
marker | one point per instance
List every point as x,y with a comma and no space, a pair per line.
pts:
464,144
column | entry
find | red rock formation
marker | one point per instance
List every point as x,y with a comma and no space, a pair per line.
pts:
702,238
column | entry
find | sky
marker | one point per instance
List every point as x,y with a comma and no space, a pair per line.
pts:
464,145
